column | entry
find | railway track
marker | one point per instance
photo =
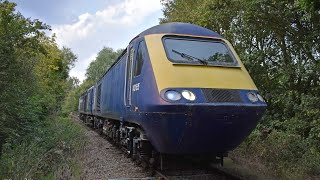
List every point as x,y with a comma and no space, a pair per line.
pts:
179,168
188,169
204,176
214,174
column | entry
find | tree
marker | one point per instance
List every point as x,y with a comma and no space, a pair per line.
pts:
34,73
19,43
97,68
106,57
279,42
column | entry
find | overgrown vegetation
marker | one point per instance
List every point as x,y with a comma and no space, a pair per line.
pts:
279,42
42,152
34,81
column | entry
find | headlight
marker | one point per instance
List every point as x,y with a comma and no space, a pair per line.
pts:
252,97
172,95
188,95
260,98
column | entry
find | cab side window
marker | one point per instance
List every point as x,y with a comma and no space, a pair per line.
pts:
141,56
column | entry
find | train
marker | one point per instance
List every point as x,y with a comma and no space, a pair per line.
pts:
177,89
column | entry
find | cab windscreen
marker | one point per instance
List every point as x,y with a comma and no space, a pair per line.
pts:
201,51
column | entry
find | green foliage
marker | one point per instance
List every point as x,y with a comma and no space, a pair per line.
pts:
106,57
288,155
34,81
279,43
97,68
42,151
33,73
313,5
71,101
20,41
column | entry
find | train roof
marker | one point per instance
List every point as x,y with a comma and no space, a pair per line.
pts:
180,28
87,90
170,28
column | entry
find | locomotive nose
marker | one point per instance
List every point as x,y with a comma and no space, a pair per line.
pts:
203,129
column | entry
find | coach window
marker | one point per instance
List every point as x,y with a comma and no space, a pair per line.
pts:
141,56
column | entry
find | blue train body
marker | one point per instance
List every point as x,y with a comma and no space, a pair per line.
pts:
130,102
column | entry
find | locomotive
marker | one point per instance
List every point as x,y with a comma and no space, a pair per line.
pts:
177,89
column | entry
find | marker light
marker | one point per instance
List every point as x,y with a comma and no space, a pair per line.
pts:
252,97
188,95
260,98
172,95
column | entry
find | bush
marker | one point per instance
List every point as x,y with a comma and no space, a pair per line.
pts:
289,156
39,154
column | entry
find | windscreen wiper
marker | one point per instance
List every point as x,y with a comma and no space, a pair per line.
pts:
189,57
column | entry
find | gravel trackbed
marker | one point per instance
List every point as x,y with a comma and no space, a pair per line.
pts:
101,160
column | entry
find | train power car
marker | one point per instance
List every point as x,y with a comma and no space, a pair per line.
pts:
177,89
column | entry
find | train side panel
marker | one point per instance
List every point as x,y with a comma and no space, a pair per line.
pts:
92,94
81,104
94,100
111,93
88,101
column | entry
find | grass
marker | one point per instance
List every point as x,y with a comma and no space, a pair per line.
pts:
279,155
40,154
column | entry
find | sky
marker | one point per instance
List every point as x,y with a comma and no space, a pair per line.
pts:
86,26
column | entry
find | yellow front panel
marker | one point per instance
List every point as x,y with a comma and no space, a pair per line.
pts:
169,75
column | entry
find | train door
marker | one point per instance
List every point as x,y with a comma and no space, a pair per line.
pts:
85,103
137,77
129,65
91,100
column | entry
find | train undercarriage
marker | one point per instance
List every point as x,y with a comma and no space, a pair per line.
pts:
134,141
